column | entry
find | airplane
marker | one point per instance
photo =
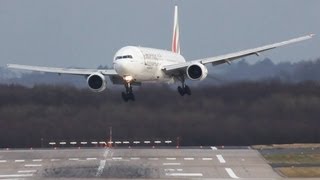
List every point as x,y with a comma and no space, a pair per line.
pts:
134,65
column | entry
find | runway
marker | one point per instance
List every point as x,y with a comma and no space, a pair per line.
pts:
146,163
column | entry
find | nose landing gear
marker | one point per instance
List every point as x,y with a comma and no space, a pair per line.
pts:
128,95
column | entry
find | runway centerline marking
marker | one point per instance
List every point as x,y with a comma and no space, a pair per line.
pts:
91,159
188,159
3,161
153,159
33,165
27,171
171,164
220,158
19,160
185,174
37,160
135,158
117,158
231,173
55,160
207,159
171,159
73,159
15,175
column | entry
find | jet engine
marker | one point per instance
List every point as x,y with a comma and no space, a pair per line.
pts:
197,71
97,82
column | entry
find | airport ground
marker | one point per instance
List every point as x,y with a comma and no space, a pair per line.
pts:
160,163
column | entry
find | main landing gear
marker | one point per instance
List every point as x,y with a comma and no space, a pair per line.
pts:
184,89
128,95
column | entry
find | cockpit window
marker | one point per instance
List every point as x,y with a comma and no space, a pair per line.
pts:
124,57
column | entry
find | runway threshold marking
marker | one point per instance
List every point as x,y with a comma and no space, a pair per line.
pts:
185,174
231,173
220,158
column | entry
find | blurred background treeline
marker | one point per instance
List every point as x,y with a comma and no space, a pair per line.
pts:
241,104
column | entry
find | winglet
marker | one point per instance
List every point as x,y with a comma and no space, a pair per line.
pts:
176,33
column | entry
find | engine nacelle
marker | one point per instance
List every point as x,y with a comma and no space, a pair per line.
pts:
197,71
97,82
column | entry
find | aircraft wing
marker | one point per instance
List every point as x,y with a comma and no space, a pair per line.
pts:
73,71
227,58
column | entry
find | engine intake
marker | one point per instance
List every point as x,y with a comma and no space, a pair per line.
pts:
97,82
197,71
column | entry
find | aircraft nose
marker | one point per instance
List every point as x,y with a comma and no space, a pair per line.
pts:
121,67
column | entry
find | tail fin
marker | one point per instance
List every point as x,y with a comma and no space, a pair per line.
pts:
176,33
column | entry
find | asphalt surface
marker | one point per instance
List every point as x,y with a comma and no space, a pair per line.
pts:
146,163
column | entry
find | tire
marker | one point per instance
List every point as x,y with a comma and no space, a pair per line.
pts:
181,91
187,90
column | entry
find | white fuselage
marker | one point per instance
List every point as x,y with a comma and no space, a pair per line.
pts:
145,64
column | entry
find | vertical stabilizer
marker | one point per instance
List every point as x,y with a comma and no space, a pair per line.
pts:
176,33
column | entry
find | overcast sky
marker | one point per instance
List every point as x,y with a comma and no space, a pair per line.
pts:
87,33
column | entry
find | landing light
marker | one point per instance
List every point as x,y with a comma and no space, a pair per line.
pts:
128,78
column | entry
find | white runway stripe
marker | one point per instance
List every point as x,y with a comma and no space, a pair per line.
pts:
207,159
55,160
171,164
231,173
188,159
73,159
27,171
213,148
185,174
33,165
117,158
19,160
91,159
153,159
15,175
220,158
37,160
135,158
171,159
3,161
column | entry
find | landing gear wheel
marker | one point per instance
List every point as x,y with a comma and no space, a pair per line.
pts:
181,91
187,90
128,95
